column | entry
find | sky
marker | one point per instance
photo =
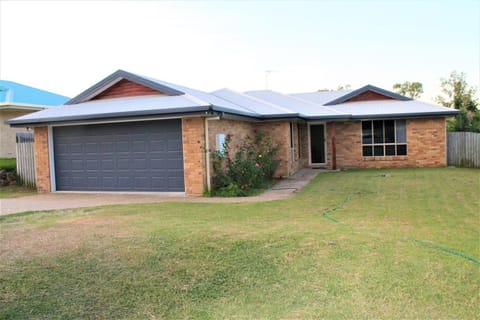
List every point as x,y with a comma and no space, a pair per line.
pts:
288,46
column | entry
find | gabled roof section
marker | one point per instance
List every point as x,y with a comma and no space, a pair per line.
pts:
16,94
118,76
355,93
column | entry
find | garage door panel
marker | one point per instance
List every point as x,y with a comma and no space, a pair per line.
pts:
137,156
107,164
107,147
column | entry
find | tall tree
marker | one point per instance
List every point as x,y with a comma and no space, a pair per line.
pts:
410,89
456,93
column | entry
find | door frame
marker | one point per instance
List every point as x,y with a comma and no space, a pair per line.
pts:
310,144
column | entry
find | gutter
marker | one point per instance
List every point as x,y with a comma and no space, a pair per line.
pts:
407,115
111,117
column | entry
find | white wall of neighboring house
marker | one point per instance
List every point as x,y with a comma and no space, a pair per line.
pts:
7,133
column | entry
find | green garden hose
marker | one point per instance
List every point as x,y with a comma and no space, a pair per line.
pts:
451,251
421,242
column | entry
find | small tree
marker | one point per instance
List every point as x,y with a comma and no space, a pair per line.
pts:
410,89
456,93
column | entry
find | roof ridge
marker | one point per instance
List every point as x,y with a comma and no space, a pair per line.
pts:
231,100
317,104
262,101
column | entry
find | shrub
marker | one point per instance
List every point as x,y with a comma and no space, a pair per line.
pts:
250,169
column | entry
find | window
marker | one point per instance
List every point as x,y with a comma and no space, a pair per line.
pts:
220,142
384,138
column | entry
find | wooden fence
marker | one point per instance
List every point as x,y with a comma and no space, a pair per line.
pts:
25,159
463,149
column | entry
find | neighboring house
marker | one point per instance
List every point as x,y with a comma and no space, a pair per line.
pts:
133,133
17,100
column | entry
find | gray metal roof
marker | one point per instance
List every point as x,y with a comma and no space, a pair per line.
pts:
304,108
113,108
364,89
262,105
392,108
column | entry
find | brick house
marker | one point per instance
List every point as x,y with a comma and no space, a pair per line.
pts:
134,133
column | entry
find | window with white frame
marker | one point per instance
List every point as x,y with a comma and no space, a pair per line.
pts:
220,142
384,138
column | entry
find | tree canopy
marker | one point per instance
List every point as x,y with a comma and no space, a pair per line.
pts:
456,93
410,89
339,88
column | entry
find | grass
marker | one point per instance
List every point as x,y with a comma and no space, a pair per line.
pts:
12,191
275,260
15,191
8,163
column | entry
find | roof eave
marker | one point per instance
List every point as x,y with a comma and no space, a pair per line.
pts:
407,115
22,106
111,117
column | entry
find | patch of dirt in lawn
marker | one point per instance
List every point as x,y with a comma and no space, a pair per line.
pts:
63,237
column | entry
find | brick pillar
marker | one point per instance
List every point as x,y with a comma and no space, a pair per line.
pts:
42,163
193,134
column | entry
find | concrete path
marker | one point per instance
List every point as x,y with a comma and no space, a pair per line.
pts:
71,200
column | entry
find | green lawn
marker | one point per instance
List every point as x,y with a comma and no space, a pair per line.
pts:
278,260
15,191
8,163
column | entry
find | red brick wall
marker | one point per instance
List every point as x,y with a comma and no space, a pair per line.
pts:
42,164
125,88
193,135
279,131
426,141
369,96
237,130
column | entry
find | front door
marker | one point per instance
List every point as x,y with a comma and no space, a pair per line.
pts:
317,144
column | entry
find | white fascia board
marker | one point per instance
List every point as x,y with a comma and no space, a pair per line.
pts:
22,106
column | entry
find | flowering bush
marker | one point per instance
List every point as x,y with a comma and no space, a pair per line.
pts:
250,169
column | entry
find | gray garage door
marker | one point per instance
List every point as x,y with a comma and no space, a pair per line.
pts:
131,156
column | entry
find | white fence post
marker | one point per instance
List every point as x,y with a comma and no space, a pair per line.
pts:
25,159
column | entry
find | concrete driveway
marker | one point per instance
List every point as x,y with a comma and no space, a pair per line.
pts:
71,200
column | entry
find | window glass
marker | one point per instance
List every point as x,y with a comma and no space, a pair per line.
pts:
378,151
401,131
402,150
220,142
366,132
384,138
367,151
378,131
389,131
390,150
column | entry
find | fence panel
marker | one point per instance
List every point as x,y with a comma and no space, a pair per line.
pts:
463,149
25,159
